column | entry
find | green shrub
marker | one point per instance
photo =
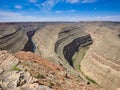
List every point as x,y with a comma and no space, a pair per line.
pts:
39,76
51,84
79,66
15,68
91,80
83,55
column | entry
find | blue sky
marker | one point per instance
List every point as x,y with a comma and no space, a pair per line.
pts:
59,10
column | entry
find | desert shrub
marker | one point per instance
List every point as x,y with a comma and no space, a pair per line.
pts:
15,68
91,80
40,76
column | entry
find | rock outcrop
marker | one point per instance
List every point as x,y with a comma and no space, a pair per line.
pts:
101,63
12,39
27,71
15,37
14,76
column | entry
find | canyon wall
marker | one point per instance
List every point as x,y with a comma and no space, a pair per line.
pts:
70,40
17,36
12,39
101,63
58,43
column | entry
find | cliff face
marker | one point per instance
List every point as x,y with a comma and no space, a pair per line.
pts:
101,63
70,40
17,36
59,42
12,39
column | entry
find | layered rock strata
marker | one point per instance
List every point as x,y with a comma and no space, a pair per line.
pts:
58,43
17,36
70,40
12,39
101,63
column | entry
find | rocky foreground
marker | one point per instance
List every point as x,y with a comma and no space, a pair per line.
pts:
27,71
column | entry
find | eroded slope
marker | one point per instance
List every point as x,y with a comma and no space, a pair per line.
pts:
58,43
12,39
102,61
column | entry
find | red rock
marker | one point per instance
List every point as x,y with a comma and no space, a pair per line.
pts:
31,56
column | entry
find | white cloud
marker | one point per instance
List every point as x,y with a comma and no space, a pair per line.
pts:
8,14
99,18
59,11
81,1
73,1
88,1
72,11
18,6
48,4
69,11
33,1
18,17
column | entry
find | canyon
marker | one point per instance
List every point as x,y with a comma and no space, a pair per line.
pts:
60,55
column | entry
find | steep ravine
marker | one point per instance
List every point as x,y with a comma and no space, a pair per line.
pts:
29,46
13,42
70,49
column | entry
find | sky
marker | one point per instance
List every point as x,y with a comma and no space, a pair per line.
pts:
59,10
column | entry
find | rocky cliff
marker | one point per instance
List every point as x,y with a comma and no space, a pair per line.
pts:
27,71
17,36
70,40
15,76
58,43
101,63
12,39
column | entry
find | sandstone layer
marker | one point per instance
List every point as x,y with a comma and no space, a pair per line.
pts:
17,36
58,43
12,39
101,63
